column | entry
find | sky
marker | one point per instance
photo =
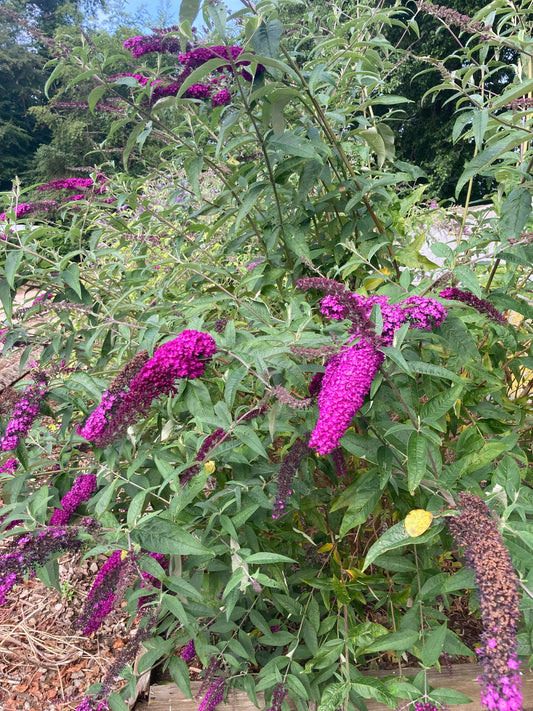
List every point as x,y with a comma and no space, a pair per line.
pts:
152,11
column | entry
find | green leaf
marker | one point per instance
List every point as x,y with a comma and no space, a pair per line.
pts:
484,159
11,266
248,202
5,298
401,640
71,277
49,574
416,460
333,696
57,70
188,11
95,95
117,703
135,507
516,211
438,371
159,535
433,645
265,39
450,696
468,278
360,508
248,437
397,537
267,557
294,145
441,403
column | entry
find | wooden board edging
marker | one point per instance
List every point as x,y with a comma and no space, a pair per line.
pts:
168,697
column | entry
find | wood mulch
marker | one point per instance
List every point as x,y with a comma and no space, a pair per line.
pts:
46,663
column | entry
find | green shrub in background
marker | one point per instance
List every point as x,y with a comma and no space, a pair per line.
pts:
282,420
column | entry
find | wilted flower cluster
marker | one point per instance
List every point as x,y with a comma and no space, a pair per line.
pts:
126,656
26,552
81,491
350,373
24,413
278,694
108,590
149,580
481,305
288,469
476,531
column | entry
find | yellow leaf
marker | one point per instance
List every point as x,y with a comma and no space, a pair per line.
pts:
326,547
209,467
417,522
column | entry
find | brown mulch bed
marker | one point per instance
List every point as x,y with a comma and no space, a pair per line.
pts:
46,664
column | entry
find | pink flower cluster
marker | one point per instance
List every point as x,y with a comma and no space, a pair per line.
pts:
24,413
183,357
31,208
10,466
81,491
67,184
147,44
200,55
349,374
346,383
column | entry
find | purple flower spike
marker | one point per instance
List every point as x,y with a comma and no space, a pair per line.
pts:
346,383
481,305
214,695
24,413
107,591
81,491
184,357
189,652
476,531
9,466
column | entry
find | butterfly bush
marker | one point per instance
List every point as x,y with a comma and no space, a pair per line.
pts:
477,532
9,466
349,374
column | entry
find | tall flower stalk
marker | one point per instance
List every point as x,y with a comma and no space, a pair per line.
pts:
476,531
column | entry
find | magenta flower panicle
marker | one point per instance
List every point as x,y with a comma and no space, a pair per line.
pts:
346,383
477,532
107,590
184,357
82,490
24,413
213,695
189,651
